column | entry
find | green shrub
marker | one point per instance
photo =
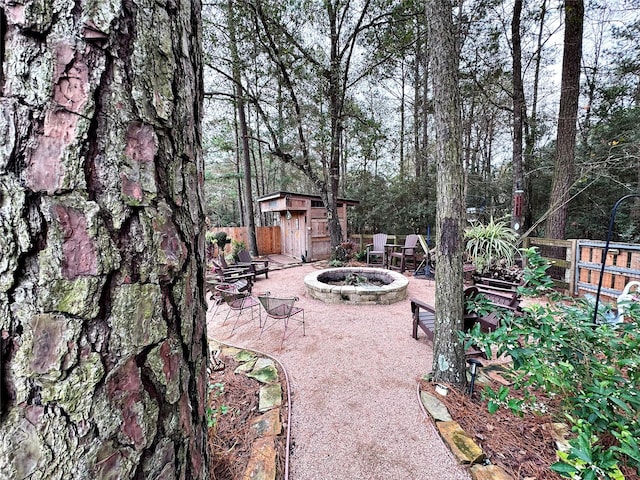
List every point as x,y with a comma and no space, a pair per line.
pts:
594,369
536,280
236,246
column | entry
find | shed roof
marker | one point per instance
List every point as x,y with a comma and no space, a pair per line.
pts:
273,196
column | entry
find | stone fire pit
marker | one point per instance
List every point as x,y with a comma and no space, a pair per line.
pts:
393,290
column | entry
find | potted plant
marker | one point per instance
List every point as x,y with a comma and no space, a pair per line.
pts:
490,246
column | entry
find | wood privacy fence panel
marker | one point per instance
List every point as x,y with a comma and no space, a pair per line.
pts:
576,264
267,238
561,255
622,265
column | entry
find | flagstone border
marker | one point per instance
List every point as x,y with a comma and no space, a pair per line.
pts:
259,463
460,443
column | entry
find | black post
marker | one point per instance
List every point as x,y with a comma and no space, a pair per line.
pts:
474,363
606,250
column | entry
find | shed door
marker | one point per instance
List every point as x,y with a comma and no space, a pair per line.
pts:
294,235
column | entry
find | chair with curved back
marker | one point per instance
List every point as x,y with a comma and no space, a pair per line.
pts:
236,301
377,250
280,308
404,253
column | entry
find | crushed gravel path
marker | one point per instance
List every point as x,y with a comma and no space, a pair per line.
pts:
355,412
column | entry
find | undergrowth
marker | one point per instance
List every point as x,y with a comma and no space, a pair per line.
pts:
594,368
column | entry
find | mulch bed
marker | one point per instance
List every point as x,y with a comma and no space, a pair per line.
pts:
522,445
230,439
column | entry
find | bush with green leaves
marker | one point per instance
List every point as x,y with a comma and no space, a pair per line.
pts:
488,244
236,246
593,368
535,278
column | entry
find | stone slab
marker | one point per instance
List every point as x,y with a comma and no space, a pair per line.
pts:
489,472
245,367
267,374
460,443
262,460
435,407
244,356
263,362
270,396
268,423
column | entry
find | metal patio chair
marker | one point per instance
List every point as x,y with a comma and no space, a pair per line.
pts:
280,308
237,302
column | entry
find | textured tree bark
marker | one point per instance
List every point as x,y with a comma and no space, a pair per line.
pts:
567,120
519,114
102,310
240,105
448,351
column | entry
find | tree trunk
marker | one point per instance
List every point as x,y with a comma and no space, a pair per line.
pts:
336,103
102,309
531,123
518,121
247,212
567,120
448,351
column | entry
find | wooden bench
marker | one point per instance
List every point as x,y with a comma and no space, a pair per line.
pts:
497,284
502,298
424,315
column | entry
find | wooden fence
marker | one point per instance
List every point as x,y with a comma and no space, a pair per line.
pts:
561,255
622,265
577,269
268,238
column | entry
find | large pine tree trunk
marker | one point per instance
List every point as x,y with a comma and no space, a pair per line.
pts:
448,351
563,170
519,113
102,311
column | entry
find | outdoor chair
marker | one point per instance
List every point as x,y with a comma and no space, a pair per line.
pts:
237,302
241,285
424,316
404,253
377,249
280,308
226,274
259,266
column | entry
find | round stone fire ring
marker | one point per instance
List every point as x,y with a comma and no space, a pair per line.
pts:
393,290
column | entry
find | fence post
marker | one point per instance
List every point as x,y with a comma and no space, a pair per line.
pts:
571,273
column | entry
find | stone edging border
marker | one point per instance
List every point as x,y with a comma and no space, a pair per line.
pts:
452,434
286,379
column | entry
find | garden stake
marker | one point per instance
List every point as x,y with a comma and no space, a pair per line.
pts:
474,366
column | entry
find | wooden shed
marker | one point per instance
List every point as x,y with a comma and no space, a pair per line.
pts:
303,223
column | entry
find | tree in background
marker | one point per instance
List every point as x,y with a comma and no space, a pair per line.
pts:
102,310
249,219
448,352
563,170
